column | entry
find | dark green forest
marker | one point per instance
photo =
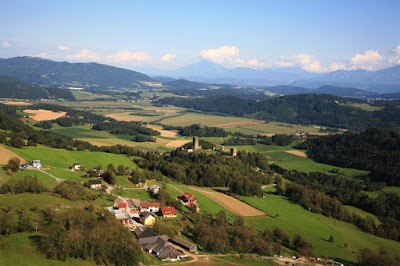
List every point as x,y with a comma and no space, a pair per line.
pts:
374,150
240,174
13,88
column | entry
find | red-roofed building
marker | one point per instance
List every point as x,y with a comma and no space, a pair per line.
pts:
187,197
168,212
122,205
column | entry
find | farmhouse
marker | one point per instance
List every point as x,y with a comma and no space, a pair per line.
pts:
188,198
184,244
95,184
147,219
149,206
168,212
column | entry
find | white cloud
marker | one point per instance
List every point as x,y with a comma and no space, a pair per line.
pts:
64,48
395,59
127,56
305,61
5,44
220,54
368,60
84,55
168,57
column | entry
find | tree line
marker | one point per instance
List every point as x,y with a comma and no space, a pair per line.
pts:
198,130
375,150
240,173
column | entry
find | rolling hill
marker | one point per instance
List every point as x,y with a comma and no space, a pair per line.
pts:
63,74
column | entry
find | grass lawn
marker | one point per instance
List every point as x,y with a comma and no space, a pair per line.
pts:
315,228
141,194
29,200
61,158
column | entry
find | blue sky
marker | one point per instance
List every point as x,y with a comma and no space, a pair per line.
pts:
315,35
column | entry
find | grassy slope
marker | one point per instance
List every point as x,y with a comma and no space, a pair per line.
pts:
277,155
315,228
60,158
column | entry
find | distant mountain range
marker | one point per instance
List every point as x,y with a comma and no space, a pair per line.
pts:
206,71
354,83
63,74
381,81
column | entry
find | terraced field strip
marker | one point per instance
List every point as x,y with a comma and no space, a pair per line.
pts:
297,153
241,124
233,205
6,155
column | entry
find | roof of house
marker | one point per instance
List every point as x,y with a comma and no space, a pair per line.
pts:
143,233
122,205
188,196
145,215
144,204
95,182
168,210
182,242
160,243
168,252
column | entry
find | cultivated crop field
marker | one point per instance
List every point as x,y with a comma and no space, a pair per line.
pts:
6,155
43,115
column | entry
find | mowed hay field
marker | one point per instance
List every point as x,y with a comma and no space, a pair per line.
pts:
43,115
6,155
314,228
233,205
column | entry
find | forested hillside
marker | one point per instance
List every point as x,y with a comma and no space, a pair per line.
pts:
88,75
375,150
308,109
13,88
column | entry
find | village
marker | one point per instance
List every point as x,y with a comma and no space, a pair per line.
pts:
140,217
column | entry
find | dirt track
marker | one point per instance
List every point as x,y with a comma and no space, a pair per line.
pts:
42,115
231,204
297,153
6,155
241,124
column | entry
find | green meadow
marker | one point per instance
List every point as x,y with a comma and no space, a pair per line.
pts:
61,158
278,155
315,228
